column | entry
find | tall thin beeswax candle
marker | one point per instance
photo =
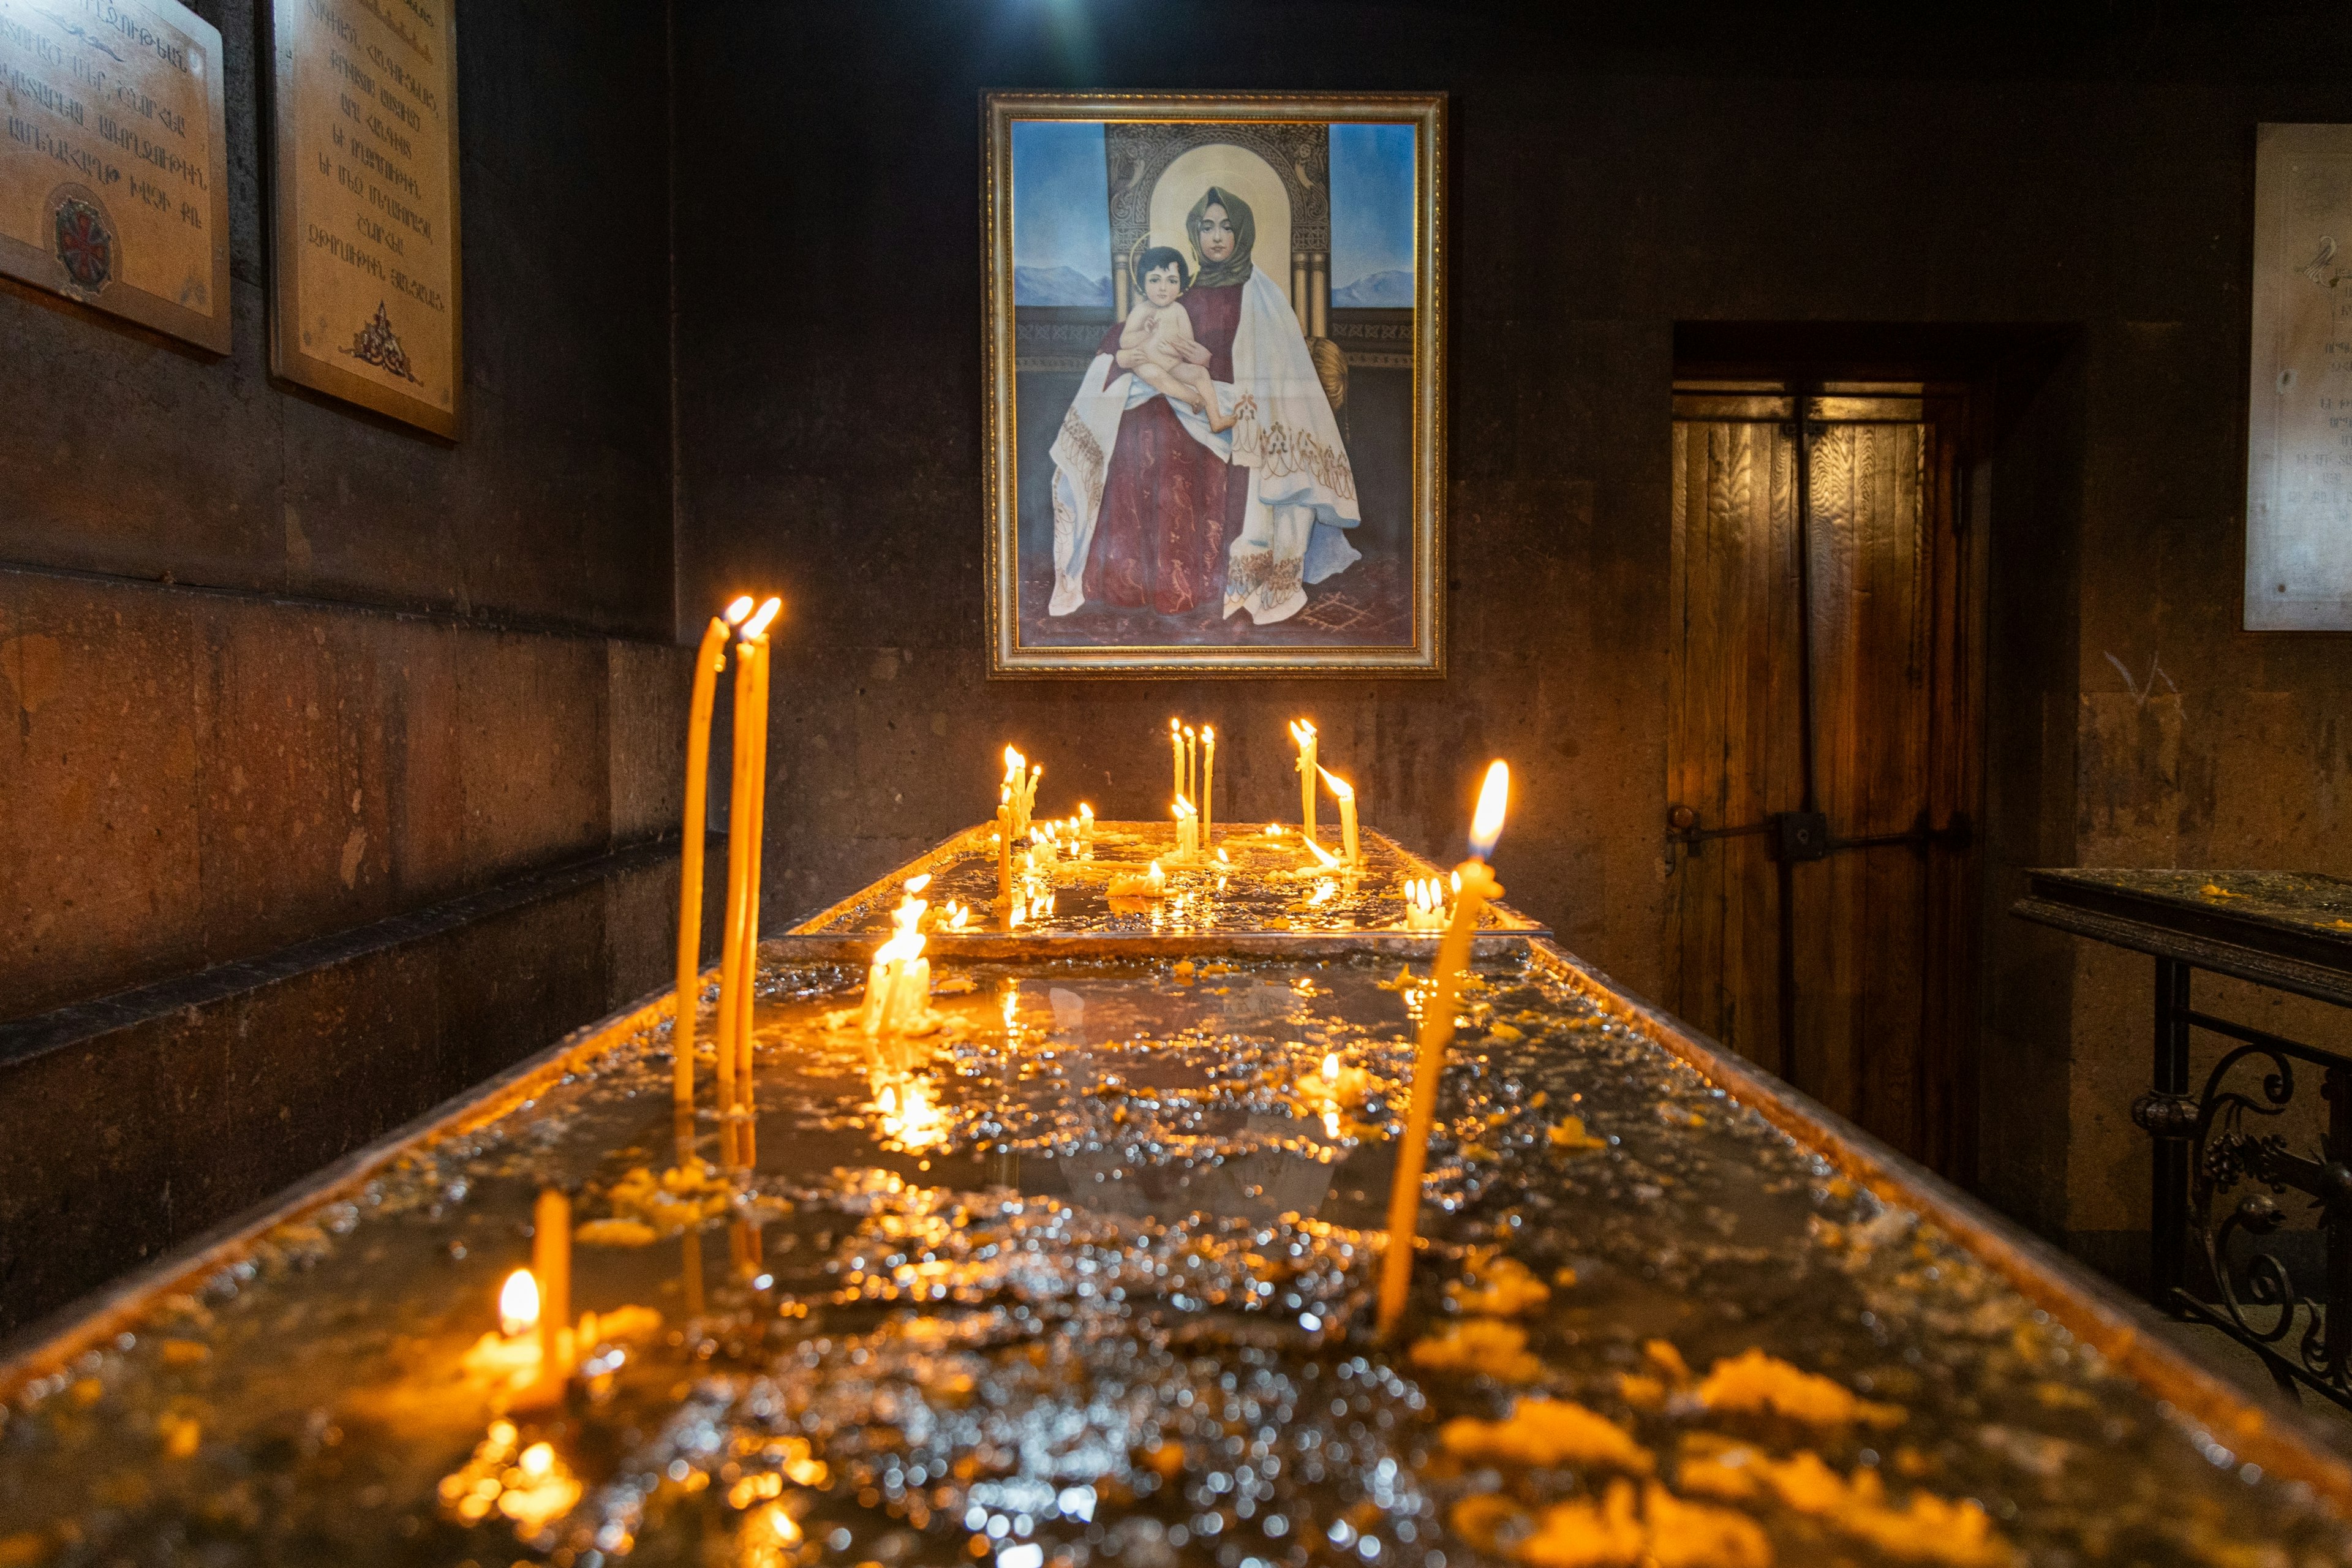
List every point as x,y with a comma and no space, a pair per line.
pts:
1304,734
708,660
756,802
739,849
550,1261
1478,885
1208,787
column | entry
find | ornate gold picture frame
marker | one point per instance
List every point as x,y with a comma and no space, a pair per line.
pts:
1214,402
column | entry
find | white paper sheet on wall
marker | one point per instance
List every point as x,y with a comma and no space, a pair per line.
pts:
2299,437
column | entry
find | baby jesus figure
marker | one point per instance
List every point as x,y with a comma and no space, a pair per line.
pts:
1157,329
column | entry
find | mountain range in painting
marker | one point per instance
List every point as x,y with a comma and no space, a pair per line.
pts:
1058,286
1391,290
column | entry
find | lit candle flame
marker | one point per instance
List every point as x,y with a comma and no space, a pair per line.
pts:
538,1460
758,625
519,1304
738,610
1159,876
1301,731
917,884
1330,1124
1322,854
1339,788
1492,799
1331,1067
1182,809
1224,858
1274,830
906,942
1086,811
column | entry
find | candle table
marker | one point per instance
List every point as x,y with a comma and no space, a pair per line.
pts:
1092,1281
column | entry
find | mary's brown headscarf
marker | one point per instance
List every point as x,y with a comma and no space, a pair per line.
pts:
1234,268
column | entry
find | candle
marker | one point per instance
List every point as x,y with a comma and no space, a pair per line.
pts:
756,630
519,1304
1176,752
550,1266
1304,734
1478,885
1208,785
1151,885
739,855
898,980
1086,831
1347,798
708,660
1334,1086
510,1359
1192,765
1019,789
1004,848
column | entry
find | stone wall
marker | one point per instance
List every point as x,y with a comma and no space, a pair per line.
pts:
303,709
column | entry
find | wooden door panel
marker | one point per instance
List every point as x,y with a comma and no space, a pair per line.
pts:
1732,720
1862,911
1882,967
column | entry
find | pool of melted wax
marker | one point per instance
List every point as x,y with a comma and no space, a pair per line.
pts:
1109,1302
1264,884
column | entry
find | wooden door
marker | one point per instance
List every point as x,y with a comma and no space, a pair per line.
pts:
1823,674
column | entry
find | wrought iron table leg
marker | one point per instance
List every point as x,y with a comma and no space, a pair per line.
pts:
2167,1234
2336,1180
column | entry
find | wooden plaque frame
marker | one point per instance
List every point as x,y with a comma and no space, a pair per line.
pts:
309,365
101,174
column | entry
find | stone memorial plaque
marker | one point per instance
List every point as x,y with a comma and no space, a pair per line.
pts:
364,205
2299,437
113,167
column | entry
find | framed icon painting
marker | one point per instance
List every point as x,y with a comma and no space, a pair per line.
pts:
1215,384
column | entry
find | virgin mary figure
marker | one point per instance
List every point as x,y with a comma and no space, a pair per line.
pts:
1155,510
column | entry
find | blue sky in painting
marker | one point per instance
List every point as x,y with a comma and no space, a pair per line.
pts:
1372,201
1061,196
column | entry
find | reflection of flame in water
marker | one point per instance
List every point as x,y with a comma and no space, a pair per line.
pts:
910,1117
1332,1124
519,1304
533,1489
769,1536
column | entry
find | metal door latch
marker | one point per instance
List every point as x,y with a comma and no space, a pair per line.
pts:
1798,836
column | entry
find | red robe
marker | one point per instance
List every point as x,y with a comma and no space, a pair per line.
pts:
1170,505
